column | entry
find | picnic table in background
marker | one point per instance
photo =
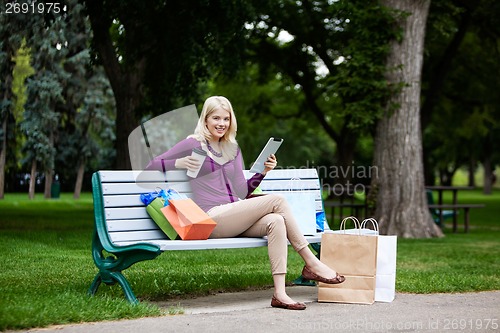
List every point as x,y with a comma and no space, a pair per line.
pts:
443,211
349,206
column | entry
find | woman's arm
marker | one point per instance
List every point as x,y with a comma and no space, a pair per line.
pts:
172,158
242,186
256,179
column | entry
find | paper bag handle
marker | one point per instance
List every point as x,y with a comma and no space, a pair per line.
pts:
354,220
372,221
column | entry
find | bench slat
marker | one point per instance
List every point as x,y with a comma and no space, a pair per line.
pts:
131,225
134,201
126,213
128,200
266,185
288,185
138,188
137,236
287,174
317,193
219,243
125,199
118,176
117,201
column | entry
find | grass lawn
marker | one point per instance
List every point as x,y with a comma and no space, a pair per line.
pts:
47,265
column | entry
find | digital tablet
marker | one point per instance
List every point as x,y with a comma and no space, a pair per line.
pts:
271,147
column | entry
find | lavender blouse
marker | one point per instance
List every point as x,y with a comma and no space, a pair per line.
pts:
215,184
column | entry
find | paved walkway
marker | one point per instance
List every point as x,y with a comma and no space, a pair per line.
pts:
251,312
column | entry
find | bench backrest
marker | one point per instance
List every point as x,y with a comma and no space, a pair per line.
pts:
121,214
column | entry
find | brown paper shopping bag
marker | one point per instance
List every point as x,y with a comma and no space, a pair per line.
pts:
188,219
355,257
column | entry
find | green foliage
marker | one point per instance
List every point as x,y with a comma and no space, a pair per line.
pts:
270,108
172,46
89,129
21,71
347,40
461,110
68,115
323,66
325,81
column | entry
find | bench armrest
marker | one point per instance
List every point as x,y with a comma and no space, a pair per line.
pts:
101,232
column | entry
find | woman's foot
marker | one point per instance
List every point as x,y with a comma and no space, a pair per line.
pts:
330,277
289,305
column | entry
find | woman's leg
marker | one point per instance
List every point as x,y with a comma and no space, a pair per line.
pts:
268,215
315,265
280,290
258,217
274,226
297,240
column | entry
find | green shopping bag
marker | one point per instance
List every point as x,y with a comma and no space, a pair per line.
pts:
154,210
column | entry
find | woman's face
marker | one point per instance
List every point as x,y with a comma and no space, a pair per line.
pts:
218,123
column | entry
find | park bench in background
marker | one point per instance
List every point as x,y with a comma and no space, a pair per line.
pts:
125,234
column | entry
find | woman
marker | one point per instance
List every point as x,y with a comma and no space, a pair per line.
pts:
221,190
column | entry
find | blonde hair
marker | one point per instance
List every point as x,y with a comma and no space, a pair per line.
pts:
228,142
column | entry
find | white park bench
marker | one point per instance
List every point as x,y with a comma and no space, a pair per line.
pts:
125,234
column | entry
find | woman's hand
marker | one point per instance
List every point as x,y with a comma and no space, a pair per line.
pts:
187,162
270,164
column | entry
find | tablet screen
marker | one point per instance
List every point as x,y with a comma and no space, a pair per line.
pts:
271,147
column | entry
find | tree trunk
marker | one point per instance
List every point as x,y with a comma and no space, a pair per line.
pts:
3,155
443,67
127,99
488,175
401,204
31,190
7,98
346,144
429,178
472,168
125,80
79,180
488,151
48,183
446,176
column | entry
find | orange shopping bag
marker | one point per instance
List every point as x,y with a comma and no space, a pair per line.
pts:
188,219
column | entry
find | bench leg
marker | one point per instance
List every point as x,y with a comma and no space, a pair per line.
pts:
129,294
455,223
111,279
111,267
95,285
466,219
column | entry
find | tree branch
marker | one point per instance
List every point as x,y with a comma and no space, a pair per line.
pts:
442,69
